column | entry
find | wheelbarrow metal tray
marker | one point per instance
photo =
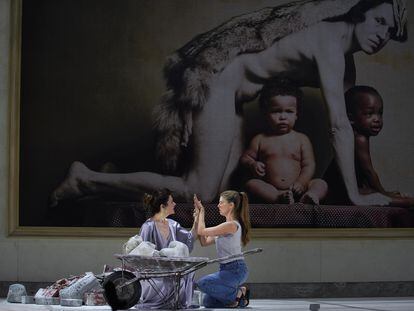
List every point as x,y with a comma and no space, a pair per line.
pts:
156,264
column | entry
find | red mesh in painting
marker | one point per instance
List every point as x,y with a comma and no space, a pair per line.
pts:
298,215
307,216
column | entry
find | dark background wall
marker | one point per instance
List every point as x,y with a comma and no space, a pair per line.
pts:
91,74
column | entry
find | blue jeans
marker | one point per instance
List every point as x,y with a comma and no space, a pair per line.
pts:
221,287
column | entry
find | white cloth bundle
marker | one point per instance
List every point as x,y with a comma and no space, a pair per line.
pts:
145,249
132,243
175,249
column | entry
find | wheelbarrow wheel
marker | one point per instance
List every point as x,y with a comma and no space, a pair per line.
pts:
121,297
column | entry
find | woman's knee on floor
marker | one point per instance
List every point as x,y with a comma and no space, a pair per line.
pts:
205,283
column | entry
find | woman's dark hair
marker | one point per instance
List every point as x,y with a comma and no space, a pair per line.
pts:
280,86
357,15
241,211
152,202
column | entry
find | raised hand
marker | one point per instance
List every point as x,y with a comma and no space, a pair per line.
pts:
196,212
197,203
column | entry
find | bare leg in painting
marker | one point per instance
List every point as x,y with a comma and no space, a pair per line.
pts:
317,190
319,55
216,143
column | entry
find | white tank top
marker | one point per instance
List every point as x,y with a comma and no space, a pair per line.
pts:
229,244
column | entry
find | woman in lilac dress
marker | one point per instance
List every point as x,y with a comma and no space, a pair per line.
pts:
160,230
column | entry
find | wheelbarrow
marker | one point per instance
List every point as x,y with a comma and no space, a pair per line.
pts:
122,288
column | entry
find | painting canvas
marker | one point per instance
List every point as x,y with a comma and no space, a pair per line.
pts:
92,75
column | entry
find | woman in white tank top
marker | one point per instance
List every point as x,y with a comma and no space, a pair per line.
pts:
223,288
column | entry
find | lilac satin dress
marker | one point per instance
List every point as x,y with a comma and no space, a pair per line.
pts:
149,297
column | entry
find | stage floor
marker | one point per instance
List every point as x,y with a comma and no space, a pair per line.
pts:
332,304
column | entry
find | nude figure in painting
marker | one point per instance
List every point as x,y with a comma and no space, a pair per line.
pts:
210,78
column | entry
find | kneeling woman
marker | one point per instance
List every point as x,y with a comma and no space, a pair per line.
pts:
223,288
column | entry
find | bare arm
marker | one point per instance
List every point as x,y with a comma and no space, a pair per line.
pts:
307,161
199,214
363,157
221,229
350,72
331,65
195,223
249,156
331,70
204,239
207,235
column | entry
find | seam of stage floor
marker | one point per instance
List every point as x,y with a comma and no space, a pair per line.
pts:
336,290
325,304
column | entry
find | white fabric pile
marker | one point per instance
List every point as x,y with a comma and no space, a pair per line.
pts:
135,246
145,249
175,249
131,244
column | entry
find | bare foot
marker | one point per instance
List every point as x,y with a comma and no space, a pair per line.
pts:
309,198
244,299
241,292
71,186
285,197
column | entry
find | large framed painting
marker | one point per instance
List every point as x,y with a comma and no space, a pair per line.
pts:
304,105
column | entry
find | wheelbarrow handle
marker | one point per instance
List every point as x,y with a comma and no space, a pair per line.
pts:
248,252
205,263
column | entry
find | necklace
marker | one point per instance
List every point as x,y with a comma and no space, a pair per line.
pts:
161,220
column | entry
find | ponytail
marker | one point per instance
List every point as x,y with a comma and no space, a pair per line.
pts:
241,212
245,218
